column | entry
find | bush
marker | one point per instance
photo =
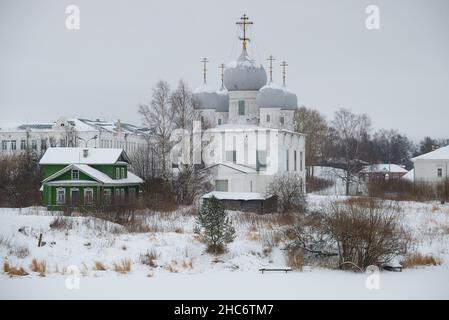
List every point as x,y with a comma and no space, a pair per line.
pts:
123,266
358,231
39,267
13,271
214,225
295,258
418,259
289,191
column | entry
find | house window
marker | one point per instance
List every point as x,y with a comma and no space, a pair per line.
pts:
88,196
62,143
282,120
132,194
241,107
13,145
294,160
117,173
4,144
123,173
43,144
219,121
75,174
118,195
23,144
231,156
286,157
439,172
221,185
34,144
268,118
107,196
122,194
60,196
261,159
300,161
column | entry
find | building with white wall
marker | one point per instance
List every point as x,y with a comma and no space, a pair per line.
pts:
251,138
70,132
432,166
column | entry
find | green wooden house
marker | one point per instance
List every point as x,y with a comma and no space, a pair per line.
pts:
87,177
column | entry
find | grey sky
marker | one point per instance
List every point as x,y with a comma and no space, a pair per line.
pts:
399,75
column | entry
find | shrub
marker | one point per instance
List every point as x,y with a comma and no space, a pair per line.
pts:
418,259
39,267
99,266
13,271
214,225
123,266
295,258
289,191
61,223
360,232
149,258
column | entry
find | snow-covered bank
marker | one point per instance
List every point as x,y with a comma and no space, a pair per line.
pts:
428,283
182,270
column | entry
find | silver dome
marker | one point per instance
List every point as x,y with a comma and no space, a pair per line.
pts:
206,97
291,100
270,96
223,100
244,74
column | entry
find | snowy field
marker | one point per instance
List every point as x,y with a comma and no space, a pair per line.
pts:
179,268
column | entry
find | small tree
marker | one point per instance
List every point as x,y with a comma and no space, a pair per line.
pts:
214,225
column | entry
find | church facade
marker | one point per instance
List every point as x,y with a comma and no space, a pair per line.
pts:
251,137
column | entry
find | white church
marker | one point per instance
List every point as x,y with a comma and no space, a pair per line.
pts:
251,137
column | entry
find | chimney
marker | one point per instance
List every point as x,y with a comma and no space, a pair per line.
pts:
85,153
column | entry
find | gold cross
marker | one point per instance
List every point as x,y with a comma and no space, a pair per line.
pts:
283,65
204,61
244,23
271,59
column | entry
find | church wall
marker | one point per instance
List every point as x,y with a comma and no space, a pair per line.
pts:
251,109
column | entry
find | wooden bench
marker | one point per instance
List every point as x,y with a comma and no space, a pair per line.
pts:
275,269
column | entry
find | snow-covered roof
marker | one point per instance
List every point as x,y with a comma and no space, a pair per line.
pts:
410,176
439,154
244,74
96,175
76,155
384,167
222,195
234,166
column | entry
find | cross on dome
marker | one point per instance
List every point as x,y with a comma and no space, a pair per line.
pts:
244,24
271,59
204,61
283,65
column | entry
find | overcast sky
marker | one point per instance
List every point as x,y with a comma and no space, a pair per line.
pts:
398,75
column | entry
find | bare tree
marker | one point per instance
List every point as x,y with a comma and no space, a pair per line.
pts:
314,125
159,116
183,103
289,191
350,130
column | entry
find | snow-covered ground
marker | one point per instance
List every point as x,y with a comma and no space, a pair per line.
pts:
184,271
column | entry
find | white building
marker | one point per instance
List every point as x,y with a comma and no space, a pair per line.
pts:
70,132
252,137
433,166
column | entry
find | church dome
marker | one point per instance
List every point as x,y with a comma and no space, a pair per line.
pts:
270,96
223,100
206,97
244,74
291,100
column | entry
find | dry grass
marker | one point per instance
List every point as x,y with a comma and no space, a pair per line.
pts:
14,271
99,266
187,264
295,259
39,267
171,268
61,223
149,258
123,266
418,259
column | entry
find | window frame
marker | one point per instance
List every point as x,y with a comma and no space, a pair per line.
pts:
241,108
77,175
58,202
87,190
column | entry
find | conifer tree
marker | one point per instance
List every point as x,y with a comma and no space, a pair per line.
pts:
214,225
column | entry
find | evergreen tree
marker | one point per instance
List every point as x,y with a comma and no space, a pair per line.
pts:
214,225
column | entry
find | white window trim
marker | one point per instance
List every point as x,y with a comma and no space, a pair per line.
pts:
85,191
57,195
73,170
